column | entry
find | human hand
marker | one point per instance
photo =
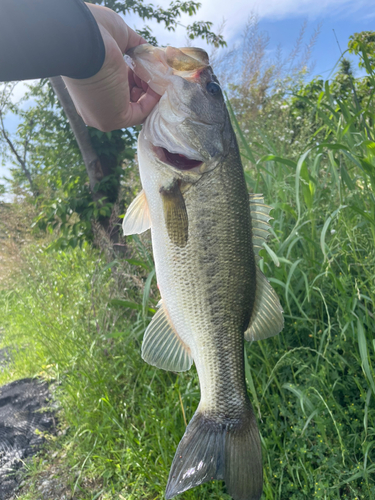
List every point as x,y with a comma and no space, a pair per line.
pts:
115,97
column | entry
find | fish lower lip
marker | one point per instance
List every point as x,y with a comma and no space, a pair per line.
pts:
177,160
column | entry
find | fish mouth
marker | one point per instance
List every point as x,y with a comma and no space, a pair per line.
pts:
176,160
158,66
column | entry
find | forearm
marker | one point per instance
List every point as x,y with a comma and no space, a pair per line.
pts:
42,38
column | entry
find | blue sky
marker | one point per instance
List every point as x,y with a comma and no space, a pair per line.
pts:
282,19
326,51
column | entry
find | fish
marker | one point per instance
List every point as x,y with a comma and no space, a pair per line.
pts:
206,236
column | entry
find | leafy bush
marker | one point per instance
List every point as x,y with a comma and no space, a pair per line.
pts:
317,379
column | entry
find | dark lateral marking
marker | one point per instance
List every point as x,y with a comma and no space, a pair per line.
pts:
175,215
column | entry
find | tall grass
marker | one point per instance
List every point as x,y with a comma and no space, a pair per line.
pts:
122,419
316,379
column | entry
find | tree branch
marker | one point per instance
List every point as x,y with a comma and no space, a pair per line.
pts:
89,155
96,170
22,163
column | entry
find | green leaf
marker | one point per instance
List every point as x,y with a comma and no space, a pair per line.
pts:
364,214
146,291
362,344
234,120
279,159
250,382
272,254
346,178
125,303
368,167
109,266
135,262
325,229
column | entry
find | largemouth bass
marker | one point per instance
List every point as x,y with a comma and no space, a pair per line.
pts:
205,246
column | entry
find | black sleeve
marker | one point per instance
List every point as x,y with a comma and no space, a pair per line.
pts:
42,38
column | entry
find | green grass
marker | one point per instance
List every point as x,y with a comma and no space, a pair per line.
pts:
73,318
316,380
124,417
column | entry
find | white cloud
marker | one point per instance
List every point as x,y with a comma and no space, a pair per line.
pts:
237,13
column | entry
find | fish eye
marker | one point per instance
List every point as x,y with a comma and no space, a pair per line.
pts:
213,88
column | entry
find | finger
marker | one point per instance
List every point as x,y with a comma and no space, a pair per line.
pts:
153,94
131,80
135,81
138,111
140,83
134,39
135,94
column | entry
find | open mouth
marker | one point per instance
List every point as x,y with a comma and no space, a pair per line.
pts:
176,160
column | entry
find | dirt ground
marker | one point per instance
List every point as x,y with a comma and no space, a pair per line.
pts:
25,414
26,411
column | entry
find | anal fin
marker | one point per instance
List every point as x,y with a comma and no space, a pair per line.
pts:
162,347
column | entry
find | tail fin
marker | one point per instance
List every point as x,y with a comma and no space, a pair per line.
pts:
211,450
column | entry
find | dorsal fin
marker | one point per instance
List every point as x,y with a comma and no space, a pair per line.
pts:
137,217
259,221
267,316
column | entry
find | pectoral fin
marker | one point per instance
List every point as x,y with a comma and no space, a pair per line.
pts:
162,347
267,317
175,215
137,217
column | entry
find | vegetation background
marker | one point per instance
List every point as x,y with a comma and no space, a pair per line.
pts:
75,296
